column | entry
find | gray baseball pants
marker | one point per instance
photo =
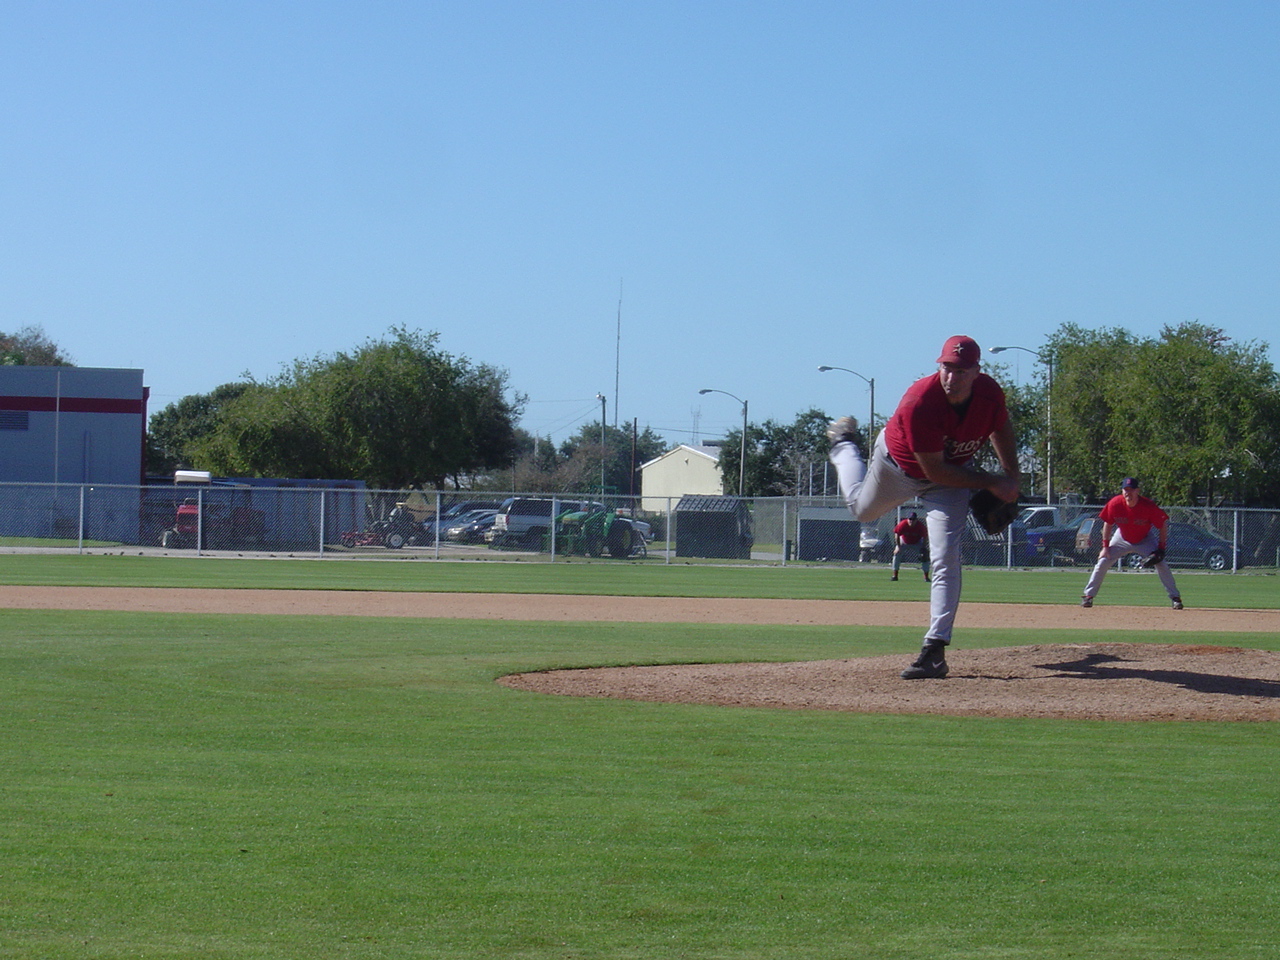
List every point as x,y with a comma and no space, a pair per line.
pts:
1119,547
872,490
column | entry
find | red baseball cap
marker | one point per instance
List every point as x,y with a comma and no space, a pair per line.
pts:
961,351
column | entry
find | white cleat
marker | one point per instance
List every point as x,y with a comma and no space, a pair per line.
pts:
844,429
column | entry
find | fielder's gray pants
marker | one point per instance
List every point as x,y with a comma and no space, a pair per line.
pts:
1118,548
872,491
921,551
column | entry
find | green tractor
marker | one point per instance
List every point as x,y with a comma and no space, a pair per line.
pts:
592,533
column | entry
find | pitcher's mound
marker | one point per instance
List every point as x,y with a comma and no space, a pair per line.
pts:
1088,681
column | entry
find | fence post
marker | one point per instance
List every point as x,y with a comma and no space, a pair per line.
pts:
786,541
435,528
322,506
1235,540
668,550
551,527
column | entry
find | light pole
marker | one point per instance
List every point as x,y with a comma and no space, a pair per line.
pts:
871,382
1047,360
742,455
600,397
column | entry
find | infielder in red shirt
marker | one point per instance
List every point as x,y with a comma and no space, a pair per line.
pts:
924,452
1132,523
909,532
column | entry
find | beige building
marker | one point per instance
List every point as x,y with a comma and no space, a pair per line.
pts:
677,472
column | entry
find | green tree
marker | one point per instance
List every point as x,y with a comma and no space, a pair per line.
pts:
782,455
396,413
621,453
778,456
538,468
1194,414
1028,412
1089,365
173,432
31,347
574,467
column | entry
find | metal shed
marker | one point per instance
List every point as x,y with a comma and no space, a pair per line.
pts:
713,526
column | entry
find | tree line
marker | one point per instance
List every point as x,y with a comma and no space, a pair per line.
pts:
398,413
30,346
1193,413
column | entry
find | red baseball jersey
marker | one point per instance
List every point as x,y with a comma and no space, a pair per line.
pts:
925,421
909,532
1136,522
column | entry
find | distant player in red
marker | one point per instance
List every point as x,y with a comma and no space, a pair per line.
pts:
1132,523
909,532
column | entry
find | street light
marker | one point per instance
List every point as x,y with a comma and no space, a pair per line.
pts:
871,381
600,397
742,455
1047,360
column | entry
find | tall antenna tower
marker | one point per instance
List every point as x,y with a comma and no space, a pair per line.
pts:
617,356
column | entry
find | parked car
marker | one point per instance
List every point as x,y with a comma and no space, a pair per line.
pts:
1045,516
1053,545
978,548
1189,546
1089,539
471,526
525,521
874,546
434,527
455,510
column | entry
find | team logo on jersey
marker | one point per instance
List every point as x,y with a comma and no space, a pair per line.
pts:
958,451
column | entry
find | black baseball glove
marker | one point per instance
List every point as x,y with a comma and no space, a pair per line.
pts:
993,514
1156,556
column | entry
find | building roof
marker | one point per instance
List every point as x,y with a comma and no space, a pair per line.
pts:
709,503
701,450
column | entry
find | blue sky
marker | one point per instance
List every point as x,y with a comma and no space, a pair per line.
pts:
207,189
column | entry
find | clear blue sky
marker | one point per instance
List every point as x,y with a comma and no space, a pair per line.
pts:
205,189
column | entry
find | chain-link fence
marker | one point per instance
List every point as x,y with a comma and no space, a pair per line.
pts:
347,520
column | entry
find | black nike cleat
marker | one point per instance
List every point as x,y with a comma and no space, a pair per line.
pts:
930,665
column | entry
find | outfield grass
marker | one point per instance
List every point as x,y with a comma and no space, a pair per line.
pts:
302,787
1253,590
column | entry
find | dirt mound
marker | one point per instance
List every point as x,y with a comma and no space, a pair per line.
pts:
1094,681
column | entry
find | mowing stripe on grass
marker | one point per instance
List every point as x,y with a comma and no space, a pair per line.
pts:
254,786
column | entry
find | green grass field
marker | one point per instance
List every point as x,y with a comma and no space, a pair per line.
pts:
302,787
1251,590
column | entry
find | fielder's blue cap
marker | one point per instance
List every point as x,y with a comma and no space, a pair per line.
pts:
1130,483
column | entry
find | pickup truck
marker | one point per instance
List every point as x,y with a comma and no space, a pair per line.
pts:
1054,543
1032,517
